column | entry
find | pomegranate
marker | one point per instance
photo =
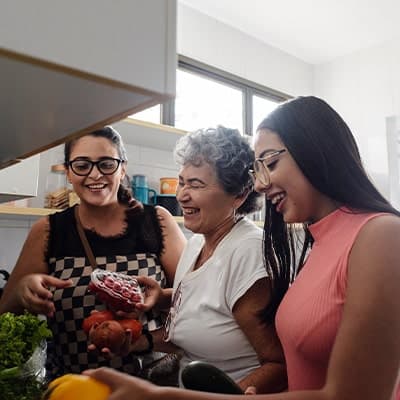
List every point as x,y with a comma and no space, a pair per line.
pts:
108,334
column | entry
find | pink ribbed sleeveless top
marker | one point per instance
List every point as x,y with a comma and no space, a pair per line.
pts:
308,318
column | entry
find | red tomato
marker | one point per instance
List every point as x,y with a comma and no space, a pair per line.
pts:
96,317
134,325
108,334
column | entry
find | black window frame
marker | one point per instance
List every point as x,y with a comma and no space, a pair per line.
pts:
247,87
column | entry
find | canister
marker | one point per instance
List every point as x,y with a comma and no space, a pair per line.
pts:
141,190
168,185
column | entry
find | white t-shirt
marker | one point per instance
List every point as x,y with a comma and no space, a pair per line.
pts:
205,327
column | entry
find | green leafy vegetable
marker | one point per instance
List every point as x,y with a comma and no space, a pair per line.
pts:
21,389
20,335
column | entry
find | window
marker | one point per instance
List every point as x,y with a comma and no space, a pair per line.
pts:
152,114
262,106
202,102
206,97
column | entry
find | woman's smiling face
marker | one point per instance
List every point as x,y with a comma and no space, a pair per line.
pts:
289,190
96,188
205,205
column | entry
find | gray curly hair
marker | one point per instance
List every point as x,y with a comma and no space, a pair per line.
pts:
229,154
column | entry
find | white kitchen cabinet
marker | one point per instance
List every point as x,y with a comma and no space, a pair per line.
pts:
70,67
20,180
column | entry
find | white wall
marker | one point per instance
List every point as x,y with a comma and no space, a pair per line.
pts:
207,40
12,236
364,87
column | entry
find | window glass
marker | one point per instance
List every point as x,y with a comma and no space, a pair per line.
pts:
202,102
151,114
261,108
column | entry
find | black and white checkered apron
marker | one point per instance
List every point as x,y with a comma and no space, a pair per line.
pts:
68,351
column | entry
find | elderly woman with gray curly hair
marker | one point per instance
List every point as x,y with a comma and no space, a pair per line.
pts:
221,286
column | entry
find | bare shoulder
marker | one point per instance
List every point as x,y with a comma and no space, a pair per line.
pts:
378,243
164,214
380,229
40,229
168,224
42,225
162,211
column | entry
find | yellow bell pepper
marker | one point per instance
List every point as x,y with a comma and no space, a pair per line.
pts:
74,387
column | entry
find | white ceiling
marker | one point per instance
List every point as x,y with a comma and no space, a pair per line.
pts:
315,31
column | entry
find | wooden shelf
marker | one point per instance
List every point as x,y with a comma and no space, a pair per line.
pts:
26,211
179,220
147,134
41,212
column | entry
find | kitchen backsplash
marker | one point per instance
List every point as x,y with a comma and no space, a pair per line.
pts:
13,233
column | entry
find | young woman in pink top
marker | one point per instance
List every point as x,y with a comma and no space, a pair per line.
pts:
338,300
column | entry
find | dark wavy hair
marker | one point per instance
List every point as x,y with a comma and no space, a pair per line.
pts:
109,133
325,150
231,156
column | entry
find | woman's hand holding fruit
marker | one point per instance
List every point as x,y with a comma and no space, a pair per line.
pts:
109,334
154,295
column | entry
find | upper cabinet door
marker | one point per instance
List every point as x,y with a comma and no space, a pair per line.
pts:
70,67
20,180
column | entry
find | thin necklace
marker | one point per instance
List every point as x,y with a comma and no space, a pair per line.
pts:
203,256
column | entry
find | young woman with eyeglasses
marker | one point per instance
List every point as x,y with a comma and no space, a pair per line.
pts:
337,302
52,273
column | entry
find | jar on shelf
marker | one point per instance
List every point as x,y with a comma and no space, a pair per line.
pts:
58,194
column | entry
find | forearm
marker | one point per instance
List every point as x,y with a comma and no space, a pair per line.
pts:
169,393
270,377
161,345
9,301
142,344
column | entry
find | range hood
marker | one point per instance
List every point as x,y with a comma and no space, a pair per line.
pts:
60,79
43,104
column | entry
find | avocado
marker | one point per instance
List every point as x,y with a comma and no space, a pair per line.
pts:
205,377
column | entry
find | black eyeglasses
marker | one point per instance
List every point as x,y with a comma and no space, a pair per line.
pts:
261,168
106,165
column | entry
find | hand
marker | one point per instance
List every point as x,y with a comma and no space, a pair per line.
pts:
251,390
34,292
139,345
132,341
136,314
152,293
107,353
123,385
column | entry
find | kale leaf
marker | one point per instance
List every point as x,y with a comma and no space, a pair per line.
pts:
19,337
